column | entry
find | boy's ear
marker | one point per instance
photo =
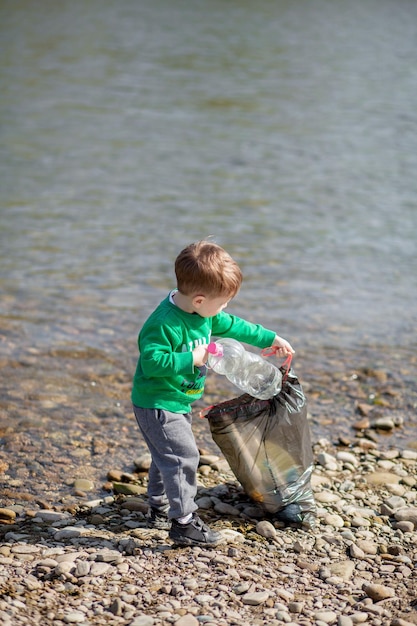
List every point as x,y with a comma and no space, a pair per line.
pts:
198,301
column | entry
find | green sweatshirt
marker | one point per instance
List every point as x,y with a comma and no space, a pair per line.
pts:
165,377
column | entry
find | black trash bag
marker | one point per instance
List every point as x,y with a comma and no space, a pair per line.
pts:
267,444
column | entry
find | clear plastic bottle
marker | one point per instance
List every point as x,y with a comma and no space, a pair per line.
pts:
248,371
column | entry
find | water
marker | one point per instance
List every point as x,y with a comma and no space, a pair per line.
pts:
286,130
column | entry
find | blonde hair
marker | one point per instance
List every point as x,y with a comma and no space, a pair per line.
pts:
205,268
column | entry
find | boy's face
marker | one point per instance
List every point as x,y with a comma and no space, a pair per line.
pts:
208,307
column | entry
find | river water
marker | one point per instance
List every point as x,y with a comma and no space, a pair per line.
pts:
286,130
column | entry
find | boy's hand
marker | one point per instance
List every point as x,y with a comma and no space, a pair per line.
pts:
200,356
282,347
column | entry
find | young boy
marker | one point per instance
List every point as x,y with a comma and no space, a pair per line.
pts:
171,373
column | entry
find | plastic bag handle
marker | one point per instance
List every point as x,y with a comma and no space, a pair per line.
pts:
287,363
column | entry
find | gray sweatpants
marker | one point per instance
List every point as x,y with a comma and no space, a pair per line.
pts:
173,473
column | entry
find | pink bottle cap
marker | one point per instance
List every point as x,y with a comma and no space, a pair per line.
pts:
215,348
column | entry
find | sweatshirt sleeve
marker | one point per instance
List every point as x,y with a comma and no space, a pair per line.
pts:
226,325
158,356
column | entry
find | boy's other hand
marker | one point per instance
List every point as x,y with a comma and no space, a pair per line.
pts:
200,356
282,347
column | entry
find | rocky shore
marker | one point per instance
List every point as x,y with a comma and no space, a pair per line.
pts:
74,547
97,563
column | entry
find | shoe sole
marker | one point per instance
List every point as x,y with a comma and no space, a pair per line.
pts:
186,541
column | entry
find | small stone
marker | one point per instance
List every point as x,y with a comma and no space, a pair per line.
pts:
342,569
205,503
396,490
204,598
114,475
405,527
328,617
205,470
344,620
295,607
136,504
51,516
386,465
327,460
187,620
116,607
359,522
389,454
25,549
347,457
143,462
383,423
282,615
232,536
256,598
367,444
63,568
362,424
327,497
407,514
70,532
332,519
359,617
99,568
221,466
49,563
68,557
365,409
83,484
368,547
226,509
311,567
286,595
356,552
32,583
253,512
410,481
266,529
7,514
299,547
82,569
395,502
325,573
241,588
191,583
409,454
209,459
378,592
143,620
129,489
75,617
382,478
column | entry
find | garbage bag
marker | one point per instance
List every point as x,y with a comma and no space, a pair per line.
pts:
267,444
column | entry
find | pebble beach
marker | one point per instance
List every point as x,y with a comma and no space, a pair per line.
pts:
88,558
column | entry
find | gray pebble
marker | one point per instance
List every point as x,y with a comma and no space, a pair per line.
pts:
82,569
143,620
75,617
328,617
70,532
255,598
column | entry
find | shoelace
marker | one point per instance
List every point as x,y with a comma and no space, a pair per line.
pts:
199,524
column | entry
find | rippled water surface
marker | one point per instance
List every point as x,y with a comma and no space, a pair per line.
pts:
287,130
